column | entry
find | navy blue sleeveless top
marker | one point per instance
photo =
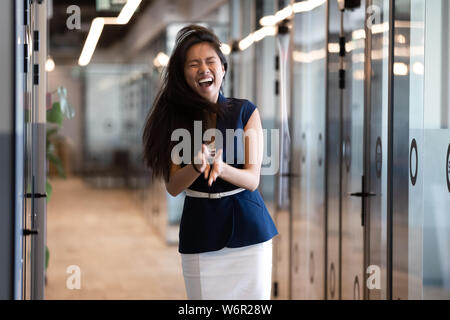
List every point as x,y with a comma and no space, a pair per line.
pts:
233,221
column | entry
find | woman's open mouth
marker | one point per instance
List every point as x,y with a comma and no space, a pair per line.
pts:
206,82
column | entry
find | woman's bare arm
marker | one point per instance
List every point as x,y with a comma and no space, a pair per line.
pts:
181,178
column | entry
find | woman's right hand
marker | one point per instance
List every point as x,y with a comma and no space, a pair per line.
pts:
201,161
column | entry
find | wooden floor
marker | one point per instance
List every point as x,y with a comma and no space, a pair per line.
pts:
104,233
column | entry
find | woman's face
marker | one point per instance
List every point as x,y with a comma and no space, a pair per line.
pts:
204,71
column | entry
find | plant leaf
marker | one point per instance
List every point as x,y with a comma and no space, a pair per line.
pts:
57,162
47,257
51,132
48,190
54,115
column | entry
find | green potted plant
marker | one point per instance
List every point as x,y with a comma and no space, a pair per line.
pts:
59,111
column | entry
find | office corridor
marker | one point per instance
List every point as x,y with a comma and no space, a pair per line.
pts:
104,232
354,102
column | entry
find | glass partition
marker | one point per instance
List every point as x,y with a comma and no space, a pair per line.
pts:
266,100
377,146
407,149
436,148
352,165
421,224
333,156
308,153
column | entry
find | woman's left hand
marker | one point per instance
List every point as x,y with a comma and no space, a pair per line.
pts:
217,167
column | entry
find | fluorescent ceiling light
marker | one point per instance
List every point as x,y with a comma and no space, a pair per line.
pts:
401,69
298,7
284,13
91,41
128,11
272,20
268,21
256,36
309,57
161,60
49,64
418,68
375,29
306,6
246,42
264,32
97,28
333,47
225,48
359,75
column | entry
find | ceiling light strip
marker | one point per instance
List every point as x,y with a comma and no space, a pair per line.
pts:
128,11
97,27
269,22
91,41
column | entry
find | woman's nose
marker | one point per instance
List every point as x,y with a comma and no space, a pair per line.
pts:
203,68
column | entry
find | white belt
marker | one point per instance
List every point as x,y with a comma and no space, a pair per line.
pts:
198,194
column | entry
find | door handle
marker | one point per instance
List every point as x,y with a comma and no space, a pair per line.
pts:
290,175
28,232
362,194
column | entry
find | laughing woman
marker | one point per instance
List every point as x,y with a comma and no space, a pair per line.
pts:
225,231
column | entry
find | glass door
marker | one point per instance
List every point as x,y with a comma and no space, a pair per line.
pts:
352,164
308,153
421,151
333,156
421,147
436,146
346,180
28,120
34,147
408,149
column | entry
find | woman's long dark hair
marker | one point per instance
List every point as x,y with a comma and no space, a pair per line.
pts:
176,104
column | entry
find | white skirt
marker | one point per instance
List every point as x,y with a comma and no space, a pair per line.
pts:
230,273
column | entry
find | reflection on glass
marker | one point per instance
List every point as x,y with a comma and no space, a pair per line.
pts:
416,116
28,121
421,259
308,150
333,154
436,193
378,132
352,236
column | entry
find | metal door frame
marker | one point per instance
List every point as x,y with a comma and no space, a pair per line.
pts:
7,135
367,136
390,150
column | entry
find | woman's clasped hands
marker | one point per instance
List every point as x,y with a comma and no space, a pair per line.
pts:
209,162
